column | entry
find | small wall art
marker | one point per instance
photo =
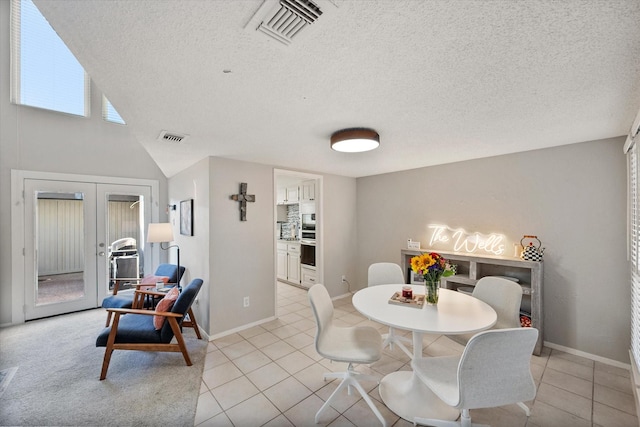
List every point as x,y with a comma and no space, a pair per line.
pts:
186,217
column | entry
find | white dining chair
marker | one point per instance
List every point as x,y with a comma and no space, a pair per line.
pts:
351,345
504,296
493,370
388,273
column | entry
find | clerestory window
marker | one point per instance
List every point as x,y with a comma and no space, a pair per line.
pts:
109,113
44,72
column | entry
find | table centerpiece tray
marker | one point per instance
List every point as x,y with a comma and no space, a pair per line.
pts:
416,301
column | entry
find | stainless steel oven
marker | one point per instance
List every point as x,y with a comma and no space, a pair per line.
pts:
308,252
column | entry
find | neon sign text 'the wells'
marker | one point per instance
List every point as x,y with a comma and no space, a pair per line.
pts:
463,241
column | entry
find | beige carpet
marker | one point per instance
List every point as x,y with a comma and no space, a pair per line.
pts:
56,383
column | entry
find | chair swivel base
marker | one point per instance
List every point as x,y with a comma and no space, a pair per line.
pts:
392,339
350,379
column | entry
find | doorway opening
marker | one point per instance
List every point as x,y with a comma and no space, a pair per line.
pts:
298,230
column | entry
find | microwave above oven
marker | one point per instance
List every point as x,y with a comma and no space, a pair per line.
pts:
308,221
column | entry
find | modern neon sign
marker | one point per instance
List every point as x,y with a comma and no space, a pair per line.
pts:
463,241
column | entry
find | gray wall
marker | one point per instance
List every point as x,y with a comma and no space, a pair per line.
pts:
40,140
236,258
339,232
573,197
193,183
242,253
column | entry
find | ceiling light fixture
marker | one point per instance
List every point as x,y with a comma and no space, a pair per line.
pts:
355,140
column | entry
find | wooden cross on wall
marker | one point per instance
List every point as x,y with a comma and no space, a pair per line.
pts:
243,198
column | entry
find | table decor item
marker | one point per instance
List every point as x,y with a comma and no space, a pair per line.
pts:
415,301
413,245
531,252
407,292
432,266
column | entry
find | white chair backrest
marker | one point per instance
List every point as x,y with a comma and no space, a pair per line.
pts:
322,308
385,273
504,296
495,368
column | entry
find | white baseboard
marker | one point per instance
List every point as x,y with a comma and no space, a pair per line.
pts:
251,325
204,334
342,296
240,328
590,356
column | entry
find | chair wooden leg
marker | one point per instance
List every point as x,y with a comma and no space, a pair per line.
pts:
109,349
176,332
191,323
109,314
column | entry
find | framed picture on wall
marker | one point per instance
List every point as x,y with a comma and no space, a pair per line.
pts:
186,217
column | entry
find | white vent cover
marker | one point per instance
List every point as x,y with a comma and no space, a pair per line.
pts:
171,136
282,20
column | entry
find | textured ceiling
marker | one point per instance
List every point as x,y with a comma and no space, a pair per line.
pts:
441,81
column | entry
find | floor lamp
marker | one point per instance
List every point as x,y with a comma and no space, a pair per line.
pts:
162,232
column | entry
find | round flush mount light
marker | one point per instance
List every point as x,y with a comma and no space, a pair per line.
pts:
355,140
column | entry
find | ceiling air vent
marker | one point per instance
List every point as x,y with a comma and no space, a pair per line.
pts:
284,19
171,136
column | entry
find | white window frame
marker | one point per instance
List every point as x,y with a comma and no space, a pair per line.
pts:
633,251
16,64
109,112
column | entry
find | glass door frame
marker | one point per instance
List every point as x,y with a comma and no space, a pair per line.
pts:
32,308
103,193
18,222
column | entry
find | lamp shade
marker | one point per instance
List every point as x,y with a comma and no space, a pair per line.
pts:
160,232
355,140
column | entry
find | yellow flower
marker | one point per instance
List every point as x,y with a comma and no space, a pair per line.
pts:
420,264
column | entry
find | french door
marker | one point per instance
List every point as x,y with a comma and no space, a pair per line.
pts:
69,227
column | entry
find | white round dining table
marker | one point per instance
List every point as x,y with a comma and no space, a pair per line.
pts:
455,313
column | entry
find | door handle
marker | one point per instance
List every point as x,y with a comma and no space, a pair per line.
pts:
101,253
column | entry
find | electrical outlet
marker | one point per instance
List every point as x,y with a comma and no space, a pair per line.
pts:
245,302
344,278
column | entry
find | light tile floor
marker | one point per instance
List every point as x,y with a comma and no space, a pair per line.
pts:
271,375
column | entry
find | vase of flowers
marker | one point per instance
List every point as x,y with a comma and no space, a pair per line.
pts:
432,267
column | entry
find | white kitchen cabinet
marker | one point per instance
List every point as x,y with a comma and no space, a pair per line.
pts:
281,196
288,262
308,276
293,195
281,255
308,190
471,268
293,263
287,195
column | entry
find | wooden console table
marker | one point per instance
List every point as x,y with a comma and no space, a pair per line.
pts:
471,268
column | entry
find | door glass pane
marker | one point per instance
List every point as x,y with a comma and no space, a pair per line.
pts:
124,230
59,247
